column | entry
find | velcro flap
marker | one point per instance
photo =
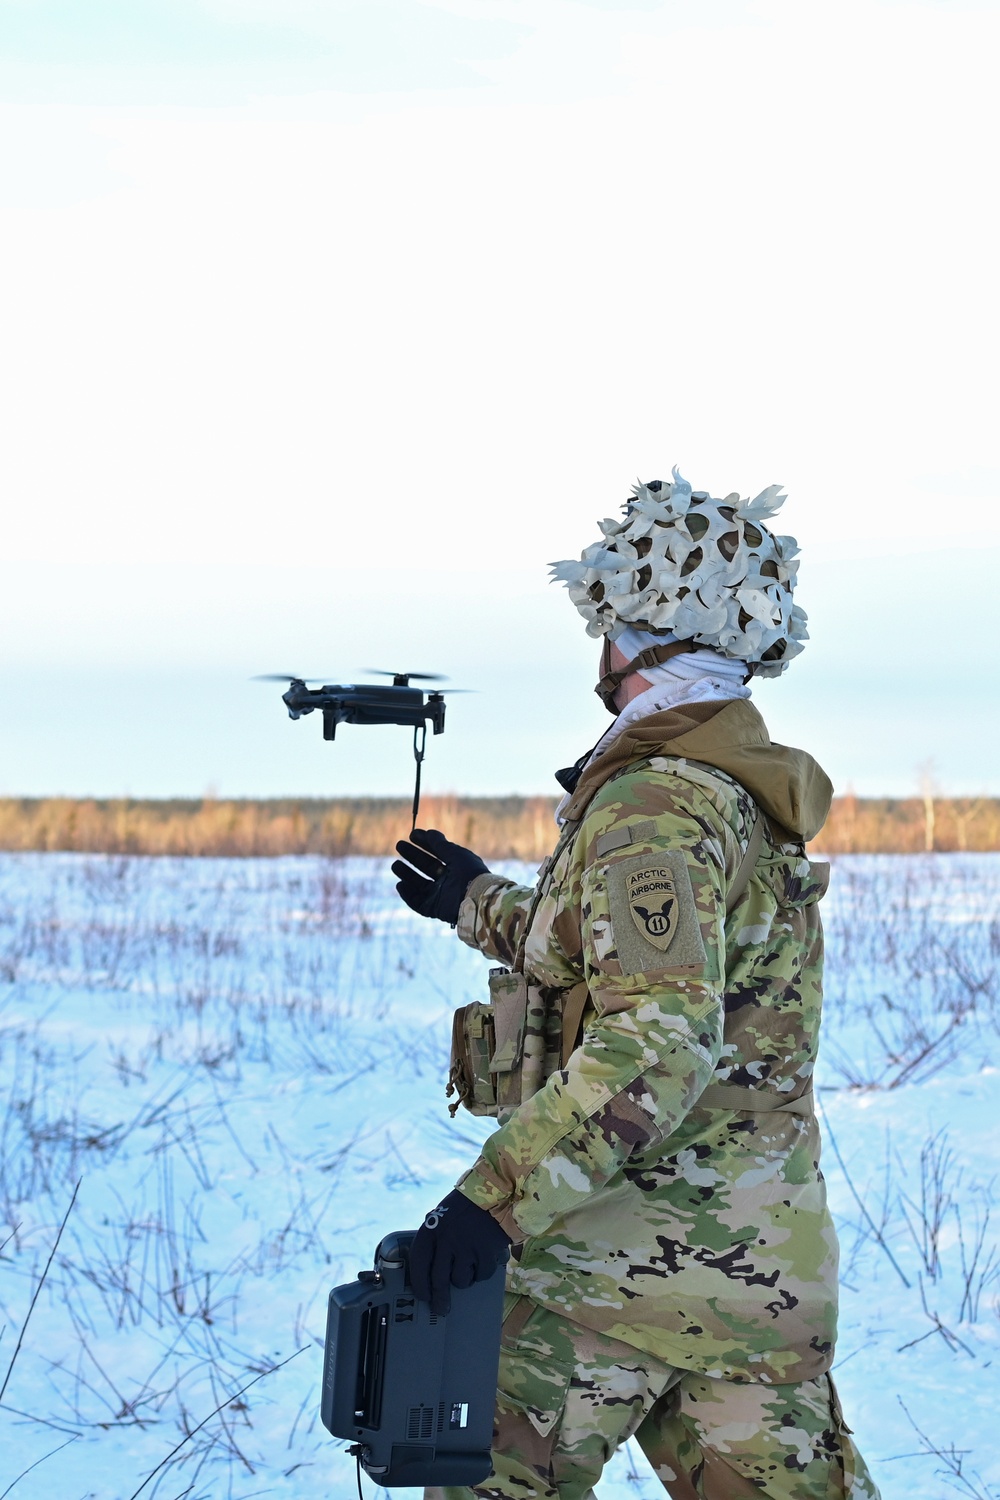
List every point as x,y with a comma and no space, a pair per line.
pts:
621,838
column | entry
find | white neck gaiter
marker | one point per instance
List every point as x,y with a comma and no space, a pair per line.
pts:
702,676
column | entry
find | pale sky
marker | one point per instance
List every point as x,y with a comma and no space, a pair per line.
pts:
327,326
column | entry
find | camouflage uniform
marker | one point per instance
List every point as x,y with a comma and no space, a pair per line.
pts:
689,1229
568,1397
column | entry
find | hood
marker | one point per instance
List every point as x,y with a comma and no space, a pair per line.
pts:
792,788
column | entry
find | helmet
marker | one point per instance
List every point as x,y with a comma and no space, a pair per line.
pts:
688,567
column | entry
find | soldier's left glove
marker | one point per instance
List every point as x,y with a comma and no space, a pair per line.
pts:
457,1244
443,873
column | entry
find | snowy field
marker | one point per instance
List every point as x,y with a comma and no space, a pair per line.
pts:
241,1063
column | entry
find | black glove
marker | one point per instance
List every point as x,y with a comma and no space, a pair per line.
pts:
457,1244
447,871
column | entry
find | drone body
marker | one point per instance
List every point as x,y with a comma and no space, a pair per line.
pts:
350,704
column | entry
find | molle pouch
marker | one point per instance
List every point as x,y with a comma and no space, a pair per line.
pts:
472,1047
509,996
528,1023
541,1054
502,1053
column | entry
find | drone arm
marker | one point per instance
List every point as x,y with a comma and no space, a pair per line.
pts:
436,707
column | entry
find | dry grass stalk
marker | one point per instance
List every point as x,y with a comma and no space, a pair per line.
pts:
502,827
498,827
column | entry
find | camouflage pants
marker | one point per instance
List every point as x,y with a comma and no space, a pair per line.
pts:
568,1398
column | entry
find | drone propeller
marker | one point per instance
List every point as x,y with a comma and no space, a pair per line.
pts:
368,704
418,676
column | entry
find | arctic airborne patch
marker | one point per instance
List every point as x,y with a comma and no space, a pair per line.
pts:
652,900
654,921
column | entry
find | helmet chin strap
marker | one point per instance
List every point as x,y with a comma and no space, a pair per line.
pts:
653,656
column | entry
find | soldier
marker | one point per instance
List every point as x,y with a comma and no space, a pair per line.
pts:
650,1049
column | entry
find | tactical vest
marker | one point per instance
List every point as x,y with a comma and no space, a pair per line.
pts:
503,1051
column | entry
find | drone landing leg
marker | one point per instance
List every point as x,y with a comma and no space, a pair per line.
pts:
419,743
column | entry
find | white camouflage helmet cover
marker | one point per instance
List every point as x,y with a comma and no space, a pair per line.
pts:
691,567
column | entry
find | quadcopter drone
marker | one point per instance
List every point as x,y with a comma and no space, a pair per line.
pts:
347,703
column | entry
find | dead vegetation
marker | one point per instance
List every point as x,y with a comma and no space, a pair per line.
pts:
201,1043
133,1299
497,827
502,827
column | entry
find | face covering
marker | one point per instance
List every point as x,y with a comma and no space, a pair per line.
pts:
650,656
682,676
689,664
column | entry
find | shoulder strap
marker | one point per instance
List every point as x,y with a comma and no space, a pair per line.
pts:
569,832
745,867
574,1003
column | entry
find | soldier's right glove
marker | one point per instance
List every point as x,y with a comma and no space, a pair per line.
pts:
442,873
458,1244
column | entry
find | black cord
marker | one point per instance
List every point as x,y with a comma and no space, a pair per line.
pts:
357,1449
419,743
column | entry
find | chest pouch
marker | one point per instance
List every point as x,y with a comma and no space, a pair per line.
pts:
472,1047
502,1053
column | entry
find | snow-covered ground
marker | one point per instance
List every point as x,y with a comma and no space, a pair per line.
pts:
242,1064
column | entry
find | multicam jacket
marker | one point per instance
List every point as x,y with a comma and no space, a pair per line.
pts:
697,1231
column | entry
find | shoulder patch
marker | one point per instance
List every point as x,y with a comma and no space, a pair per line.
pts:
657,918
653,916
